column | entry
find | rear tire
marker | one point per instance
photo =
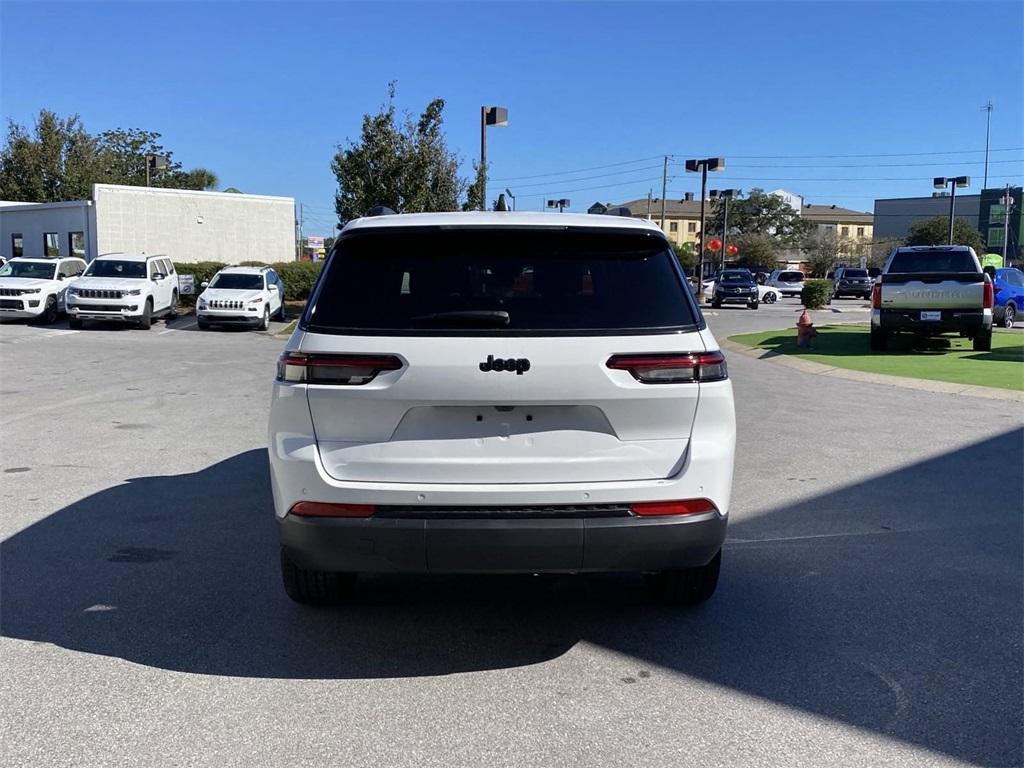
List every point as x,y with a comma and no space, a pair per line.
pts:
280,313
172,311
1009,315
753,305
74,323
688,586
265,322
983,342
716,305
879,340
146,320
204,325
315,587
769,298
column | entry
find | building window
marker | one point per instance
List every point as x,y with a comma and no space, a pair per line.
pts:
860,231
76,244
673,226
845,232
691,226
51,245
17,245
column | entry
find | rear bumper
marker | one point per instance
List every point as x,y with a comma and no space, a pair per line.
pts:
951,320
852,290
445,545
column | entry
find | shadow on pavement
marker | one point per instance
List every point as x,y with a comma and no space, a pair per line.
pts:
853,343
893,605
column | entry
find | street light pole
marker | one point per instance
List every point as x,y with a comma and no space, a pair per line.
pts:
1007,202
726,195
941,182
705,165
509,193
496,116
988,133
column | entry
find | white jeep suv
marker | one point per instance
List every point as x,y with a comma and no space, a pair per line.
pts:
501,393
241,296
127,289
35,288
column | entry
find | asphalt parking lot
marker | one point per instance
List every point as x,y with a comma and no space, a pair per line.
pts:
869,611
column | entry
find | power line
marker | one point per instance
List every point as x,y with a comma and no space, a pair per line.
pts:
889,154
559,190
587,178
883,165
849,178
581,170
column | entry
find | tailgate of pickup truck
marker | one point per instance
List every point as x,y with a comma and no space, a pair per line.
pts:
933,290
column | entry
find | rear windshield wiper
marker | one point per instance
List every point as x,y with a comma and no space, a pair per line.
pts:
467,319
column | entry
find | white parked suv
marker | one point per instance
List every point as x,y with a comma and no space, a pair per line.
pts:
501,393
241,296
35,288
124,288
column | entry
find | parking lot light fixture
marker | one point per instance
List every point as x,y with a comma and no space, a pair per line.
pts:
725,195
703,166
953,182
498,117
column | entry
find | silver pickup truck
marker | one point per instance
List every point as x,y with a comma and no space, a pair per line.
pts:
930,290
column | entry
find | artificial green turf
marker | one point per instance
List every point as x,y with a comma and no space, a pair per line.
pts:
946,358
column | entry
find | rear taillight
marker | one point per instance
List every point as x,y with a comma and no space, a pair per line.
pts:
676,368
351,370
681,507
987,297
876,296
325,509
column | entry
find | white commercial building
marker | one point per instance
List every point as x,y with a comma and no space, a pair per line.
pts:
186,225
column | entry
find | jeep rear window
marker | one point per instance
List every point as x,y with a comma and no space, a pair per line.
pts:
493,281
932,261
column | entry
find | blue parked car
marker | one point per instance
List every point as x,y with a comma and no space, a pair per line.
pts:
1009,296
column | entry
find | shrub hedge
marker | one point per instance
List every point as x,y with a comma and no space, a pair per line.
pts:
298,276
816,293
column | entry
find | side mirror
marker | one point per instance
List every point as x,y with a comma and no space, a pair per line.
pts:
60,276
158,276
205,284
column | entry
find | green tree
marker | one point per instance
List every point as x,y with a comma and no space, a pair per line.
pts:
763,214
687,255
55,162
756,250
475,191
122,156
935,231
400,163
825,253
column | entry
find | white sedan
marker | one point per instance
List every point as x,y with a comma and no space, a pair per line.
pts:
768,294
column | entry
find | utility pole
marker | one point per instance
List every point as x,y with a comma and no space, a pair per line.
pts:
988,133
664,191
483,158
649,193
301,213
1007,202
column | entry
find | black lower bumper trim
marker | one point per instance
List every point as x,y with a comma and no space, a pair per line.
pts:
501,545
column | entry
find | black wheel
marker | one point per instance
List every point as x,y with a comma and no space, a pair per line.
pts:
983,342
315,587
280,313
753,305
204,325
716,304
688,586
1009,315
74,323
879,340
49,315
172,311
146,320
265,322
769,298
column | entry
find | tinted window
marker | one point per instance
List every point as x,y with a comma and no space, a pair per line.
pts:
237,281
932,261
855,273
791,277
113,268
31,269
737,277
466,280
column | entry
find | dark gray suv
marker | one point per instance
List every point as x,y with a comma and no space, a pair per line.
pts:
851,281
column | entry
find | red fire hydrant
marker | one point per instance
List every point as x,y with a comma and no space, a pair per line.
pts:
805,331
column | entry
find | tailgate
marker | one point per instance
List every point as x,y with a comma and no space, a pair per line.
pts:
940,290
443,418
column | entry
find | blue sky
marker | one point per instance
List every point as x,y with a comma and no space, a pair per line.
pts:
262,92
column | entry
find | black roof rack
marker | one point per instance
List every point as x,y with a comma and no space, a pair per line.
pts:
380,210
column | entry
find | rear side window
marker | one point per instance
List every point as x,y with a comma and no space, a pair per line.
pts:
932,261
484,281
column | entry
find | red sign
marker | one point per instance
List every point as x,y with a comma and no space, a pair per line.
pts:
715,244
732,250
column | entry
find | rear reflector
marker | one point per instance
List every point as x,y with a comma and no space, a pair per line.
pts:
349,370
682,507
323,509
672,368
876,296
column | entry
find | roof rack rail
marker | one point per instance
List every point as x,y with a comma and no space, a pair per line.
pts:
621,210
380,210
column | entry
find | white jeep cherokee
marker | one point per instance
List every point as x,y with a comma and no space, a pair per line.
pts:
501,393
241,296
123,288
35,288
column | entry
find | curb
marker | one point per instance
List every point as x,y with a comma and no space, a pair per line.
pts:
925,385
